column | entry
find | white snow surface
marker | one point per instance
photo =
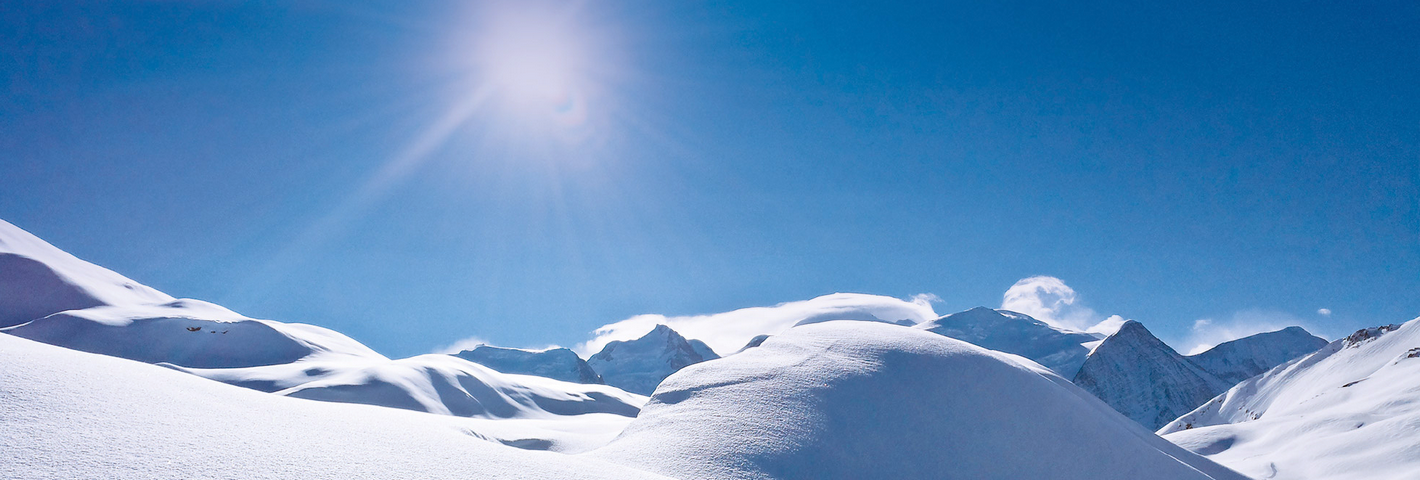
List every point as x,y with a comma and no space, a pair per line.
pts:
74,415
848,399
39,279
1059,349
138,323
1348,411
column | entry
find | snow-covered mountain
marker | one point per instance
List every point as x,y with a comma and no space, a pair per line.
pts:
1148,381
1145,379
85,307
555,363
637,366
852,399
1248,357
1006,331
1348,411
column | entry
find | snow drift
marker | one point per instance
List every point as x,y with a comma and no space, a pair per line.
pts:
869,400
1349,410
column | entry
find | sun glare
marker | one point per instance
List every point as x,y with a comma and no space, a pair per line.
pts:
537,65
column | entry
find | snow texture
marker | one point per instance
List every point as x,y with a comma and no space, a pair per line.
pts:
637,366
850,399
138,323
555,363
39,279
1057,348
75,415
1348,411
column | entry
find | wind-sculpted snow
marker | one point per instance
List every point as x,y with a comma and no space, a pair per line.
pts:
37,279
186,332
868,400
433,383
1350,410
637,366
74,415
1005,331
284,358
555,363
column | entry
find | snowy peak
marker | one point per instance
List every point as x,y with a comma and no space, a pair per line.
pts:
1247,357
637,366
1144,379
1002,330
555,363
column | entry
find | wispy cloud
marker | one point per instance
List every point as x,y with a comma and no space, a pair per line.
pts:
727,332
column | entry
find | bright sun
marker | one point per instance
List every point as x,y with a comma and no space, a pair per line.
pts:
536,64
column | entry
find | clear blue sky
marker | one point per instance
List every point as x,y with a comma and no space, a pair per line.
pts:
311,161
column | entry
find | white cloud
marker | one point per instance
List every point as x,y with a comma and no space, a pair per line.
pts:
1107,326
463,344
727,332
1209,332
1325,312
1050,300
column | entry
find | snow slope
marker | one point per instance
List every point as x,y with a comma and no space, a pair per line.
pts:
37,279
1006,331
1348,411
637,366
73,415
849,399
138,323
433,383
1248,357
555,363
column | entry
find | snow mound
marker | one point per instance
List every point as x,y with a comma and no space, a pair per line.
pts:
1058,349
37,279
70,414
637,366
555,363
1349,410
1248,357
868,400
186,332
289,359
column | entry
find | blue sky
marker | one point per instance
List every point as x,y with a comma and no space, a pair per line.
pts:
390,170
